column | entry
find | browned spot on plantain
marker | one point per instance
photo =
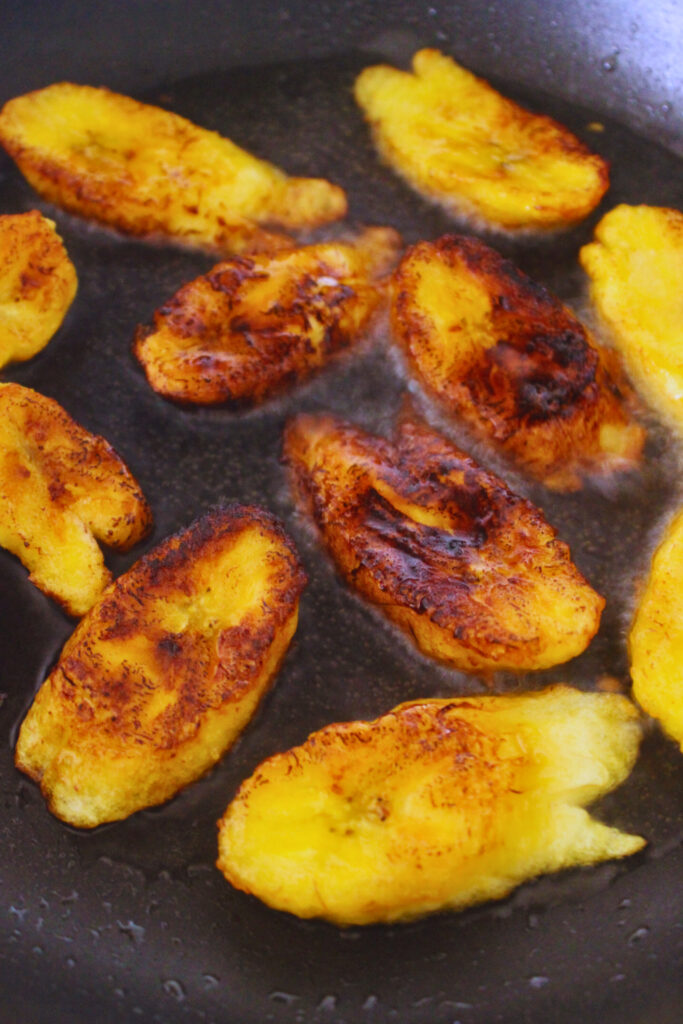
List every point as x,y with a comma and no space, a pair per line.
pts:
61,489
470,570
165,671
256,324
506,357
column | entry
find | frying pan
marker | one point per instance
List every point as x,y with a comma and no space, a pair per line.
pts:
132,921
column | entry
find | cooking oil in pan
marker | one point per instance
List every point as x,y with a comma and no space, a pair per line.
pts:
345,662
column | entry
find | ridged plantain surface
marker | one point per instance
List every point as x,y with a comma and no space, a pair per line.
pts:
256,324
61,490
508,359
158,680
435,806
656,637
38,283
459,142
470,571
148,172
635,266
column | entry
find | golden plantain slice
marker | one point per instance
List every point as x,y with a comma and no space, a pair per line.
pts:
459,142
507,358
256,324
60,489
656,637
435,806
159,679
472,572
37,284
635,266
148,172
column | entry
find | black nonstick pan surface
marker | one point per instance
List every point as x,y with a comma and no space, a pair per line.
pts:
132,921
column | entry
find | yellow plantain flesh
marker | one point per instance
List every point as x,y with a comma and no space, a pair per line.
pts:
435,806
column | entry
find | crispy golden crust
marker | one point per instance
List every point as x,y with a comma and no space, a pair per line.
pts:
437,805
656,638
473,573
148,172
37,284
458,141
165,671
60,489
256,324
507,358
635,266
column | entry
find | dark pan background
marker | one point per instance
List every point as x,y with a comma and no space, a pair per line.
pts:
132,921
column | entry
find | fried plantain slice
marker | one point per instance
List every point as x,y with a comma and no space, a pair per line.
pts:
656,637
508,359
635,266
38,283
459,142
472,572
166,670
436,805
62,487
258,323
148,172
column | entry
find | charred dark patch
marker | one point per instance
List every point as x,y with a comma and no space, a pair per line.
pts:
533,379
170,646
228,278
415,543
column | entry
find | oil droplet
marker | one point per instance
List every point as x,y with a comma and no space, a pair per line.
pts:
174,989
283,997
533,921
666,108
539,981
135,932
70,962
611,63
638,935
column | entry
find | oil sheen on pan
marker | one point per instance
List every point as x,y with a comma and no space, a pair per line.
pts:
134,914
